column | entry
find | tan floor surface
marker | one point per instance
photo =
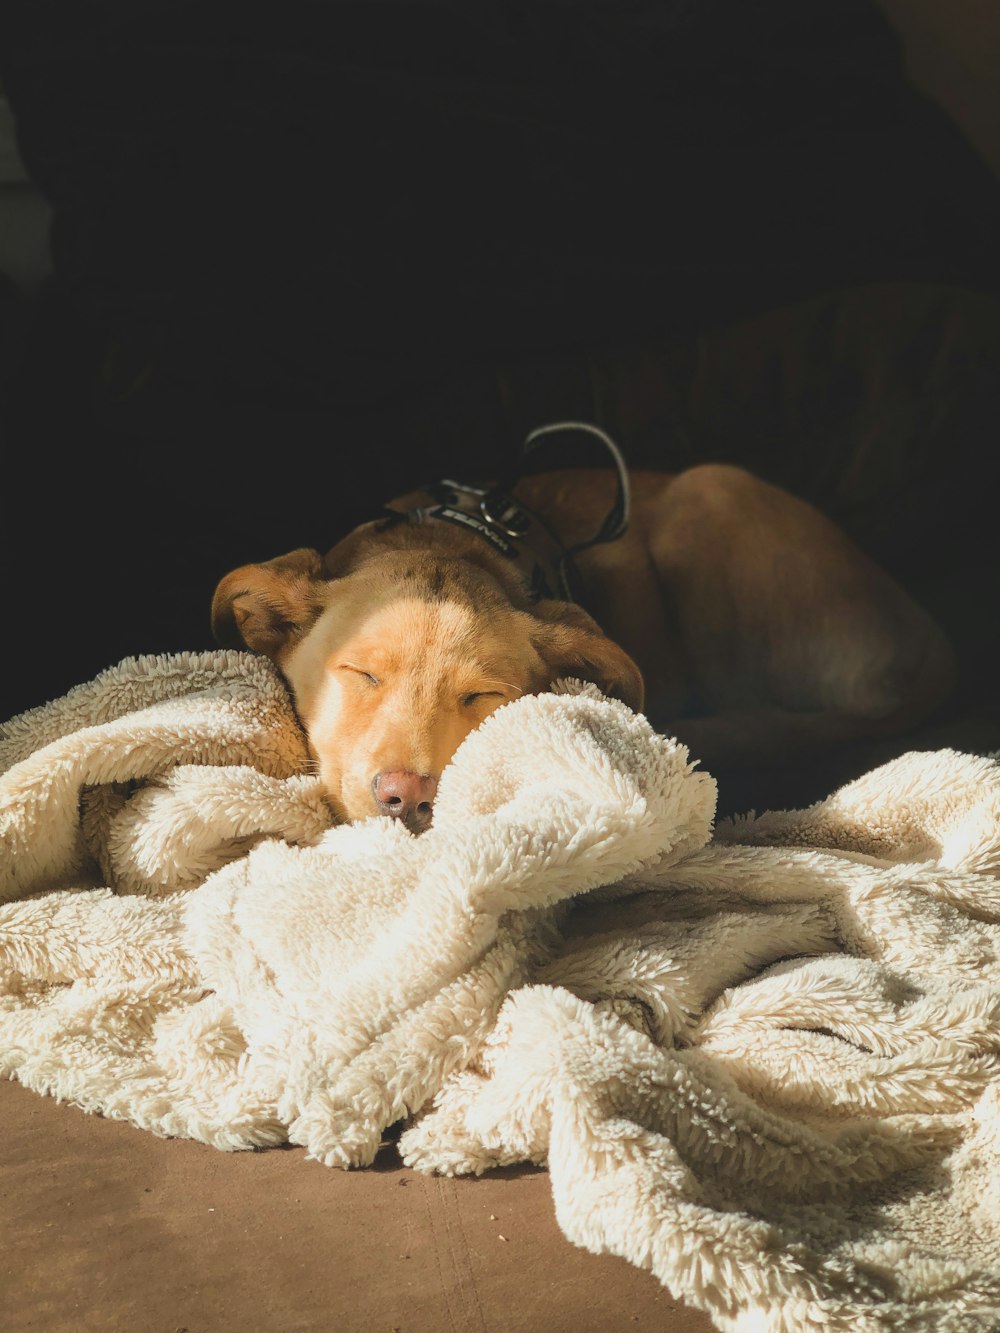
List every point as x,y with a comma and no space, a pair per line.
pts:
106,1227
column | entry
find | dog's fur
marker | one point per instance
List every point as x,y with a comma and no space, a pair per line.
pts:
735,615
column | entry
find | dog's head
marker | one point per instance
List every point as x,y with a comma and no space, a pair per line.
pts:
394,655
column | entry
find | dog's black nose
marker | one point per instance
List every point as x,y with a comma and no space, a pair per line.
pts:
406,796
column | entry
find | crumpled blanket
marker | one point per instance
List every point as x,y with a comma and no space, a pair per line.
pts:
760,1059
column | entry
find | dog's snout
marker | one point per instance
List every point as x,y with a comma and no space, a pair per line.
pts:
406,796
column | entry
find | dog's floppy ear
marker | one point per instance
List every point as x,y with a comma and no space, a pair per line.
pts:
269,606
571,643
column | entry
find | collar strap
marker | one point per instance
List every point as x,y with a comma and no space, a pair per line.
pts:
511,529
515,531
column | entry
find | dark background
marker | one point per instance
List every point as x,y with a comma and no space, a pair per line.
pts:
300,257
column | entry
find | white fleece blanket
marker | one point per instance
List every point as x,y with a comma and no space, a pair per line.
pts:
761,1060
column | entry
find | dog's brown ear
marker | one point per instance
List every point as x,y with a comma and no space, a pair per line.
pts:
571,643
269,606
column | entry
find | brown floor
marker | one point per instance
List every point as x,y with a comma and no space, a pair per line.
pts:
109,1228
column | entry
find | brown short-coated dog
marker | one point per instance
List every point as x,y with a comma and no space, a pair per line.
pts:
735,615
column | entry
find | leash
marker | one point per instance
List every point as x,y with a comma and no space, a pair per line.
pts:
514,530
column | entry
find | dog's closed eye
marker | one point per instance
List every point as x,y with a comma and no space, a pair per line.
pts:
359,671
469,699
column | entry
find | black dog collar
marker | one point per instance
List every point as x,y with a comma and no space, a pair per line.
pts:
514,531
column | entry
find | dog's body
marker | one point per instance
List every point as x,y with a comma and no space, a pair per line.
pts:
735,615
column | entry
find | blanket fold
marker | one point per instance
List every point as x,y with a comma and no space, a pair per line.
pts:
760,1059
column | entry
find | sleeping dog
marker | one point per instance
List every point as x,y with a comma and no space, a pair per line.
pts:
737,616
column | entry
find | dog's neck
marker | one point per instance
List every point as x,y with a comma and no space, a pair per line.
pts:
374,540
514,534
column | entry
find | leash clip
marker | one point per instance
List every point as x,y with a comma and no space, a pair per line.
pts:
512,521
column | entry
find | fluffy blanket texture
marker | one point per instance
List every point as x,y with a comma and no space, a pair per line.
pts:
761,1059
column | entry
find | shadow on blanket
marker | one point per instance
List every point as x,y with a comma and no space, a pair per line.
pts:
759,1057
